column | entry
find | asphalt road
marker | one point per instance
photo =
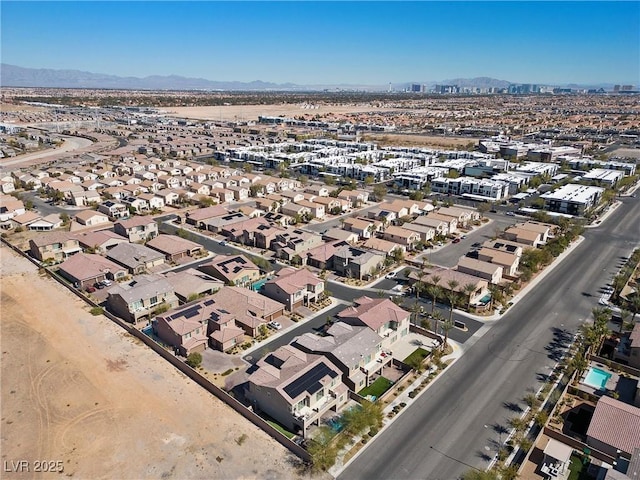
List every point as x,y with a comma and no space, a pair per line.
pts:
449,256
456,424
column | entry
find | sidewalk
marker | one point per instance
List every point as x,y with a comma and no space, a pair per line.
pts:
612,208
403,397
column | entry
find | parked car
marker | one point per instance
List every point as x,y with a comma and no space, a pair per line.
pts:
222,242
391,275
99,285
106,282
90,289
456,240
511,214
275,325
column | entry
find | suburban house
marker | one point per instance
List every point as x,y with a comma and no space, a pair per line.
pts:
349,261
339,234
87,269
294,288
523,236
508,261
628,350
440,226
365,228
614,428
544,229
54,246
198,217
401,236
426,233
488,271
100,241
381,315
91,218
232,269
383,246
135,258
356,350
185,329
114,210
505,246
190,283
452,222
174,248
296,388
138,298
322,256
46,224
463,216
137,229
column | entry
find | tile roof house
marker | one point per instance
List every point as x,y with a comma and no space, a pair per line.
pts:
100,241
191,282
232,269
174,247
478,268
185,328
243,302
54,246
294,287
462,279
401,236
86,269
198,217
379,314
355,262
614,426
508,261
296,388
357,351
91,218
523,236
138,298
137,229
135,258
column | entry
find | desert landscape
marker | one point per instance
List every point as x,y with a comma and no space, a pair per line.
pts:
79,392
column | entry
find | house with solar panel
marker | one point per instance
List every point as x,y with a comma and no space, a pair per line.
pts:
296,388
232,269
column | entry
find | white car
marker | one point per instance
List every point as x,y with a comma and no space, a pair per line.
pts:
275,325
106,283
391,275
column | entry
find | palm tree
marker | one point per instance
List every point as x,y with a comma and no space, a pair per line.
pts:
496,294
446,326
453,302
469,289
433,291
634,303
437,317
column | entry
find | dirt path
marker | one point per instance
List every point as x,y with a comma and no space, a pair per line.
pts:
76,389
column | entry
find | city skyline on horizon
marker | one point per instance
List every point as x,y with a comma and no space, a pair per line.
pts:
350,43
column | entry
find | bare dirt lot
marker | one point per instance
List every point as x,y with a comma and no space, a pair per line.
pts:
252,112
79,390
392,139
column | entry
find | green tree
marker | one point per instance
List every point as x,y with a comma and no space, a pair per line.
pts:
368,180
322,449
194,359
469,289
379,192
452,296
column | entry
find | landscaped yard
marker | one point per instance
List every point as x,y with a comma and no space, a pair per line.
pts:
418,355
377,388
578,471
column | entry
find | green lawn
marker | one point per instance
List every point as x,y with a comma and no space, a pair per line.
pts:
377,388
281,429
578,471
418,355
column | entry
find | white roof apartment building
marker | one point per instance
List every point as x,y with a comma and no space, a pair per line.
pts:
572,199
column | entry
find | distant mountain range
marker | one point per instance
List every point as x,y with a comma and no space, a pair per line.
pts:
14,76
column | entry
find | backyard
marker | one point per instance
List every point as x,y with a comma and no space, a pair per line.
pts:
377,388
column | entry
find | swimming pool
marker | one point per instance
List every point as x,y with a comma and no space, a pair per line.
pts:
597,378
257,286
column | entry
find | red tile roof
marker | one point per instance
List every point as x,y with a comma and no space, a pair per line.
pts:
616,423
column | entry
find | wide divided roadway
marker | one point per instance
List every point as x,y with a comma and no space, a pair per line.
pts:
457,423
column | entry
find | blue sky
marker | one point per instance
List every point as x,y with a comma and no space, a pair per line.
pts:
370,43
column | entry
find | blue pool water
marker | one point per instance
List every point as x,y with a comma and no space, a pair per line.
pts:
597,378
485,299
259,284
335,424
